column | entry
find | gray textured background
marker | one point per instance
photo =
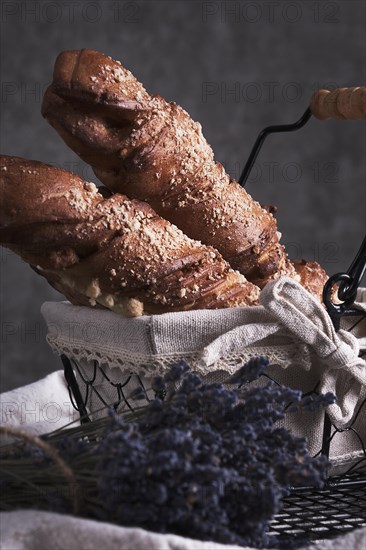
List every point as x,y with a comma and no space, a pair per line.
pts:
236,67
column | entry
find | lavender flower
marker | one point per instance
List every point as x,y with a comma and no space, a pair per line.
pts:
252,370
205,460
313,402
158,386
208,461
176,372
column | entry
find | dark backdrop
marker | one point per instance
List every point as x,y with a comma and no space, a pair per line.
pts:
236,67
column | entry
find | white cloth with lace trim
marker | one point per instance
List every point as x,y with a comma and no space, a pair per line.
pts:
289,326
38,530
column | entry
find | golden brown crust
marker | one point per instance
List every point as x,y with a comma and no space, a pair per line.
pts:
114,251
152,150
312,276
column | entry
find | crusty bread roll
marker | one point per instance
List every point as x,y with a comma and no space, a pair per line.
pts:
312,277
149,149
111,252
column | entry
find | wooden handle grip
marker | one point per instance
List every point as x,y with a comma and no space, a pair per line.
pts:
342,103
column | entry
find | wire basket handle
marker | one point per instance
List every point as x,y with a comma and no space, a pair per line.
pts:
341,104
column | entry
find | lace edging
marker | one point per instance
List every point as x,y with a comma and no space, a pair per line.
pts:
284,356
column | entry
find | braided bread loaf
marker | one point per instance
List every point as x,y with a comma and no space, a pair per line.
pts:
152,150
111,252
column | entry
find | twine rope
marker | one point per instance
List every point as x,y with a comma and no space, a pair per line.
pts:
54,454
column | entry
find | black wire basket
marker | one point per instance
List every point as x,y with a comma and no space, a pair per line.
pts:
307,514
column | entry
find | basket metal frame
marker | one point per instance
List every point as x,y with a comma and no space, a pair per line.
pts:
341,506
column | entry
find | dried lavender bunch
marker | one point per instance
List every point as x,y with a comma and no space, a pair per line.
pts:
206,461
